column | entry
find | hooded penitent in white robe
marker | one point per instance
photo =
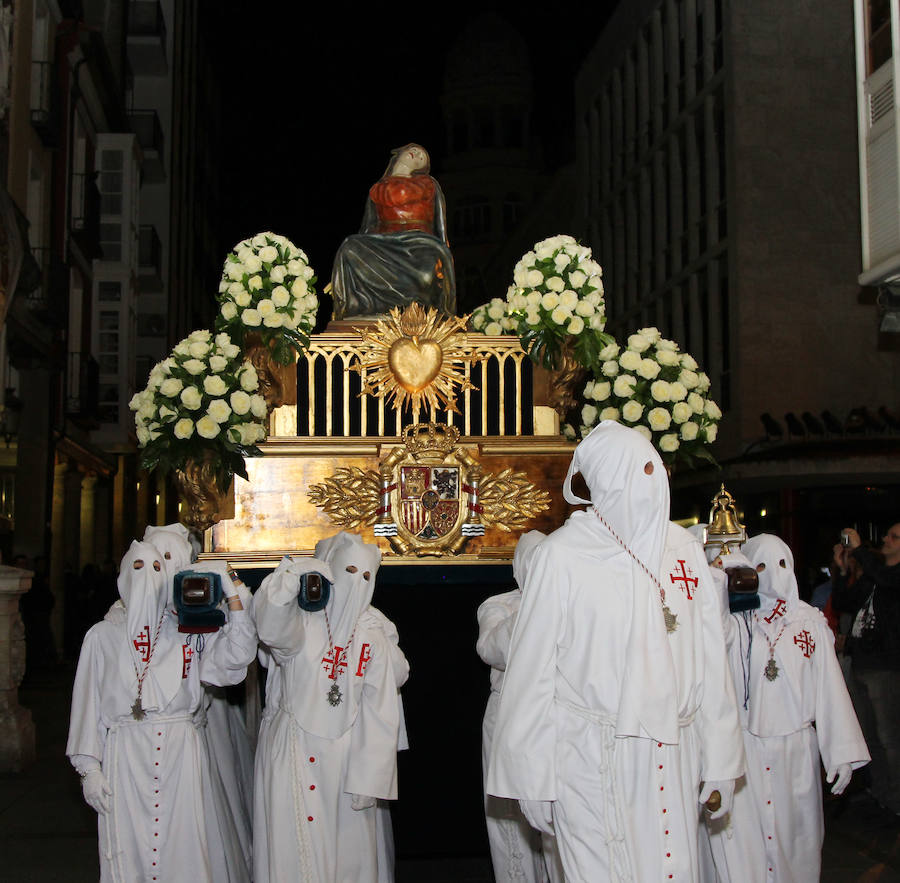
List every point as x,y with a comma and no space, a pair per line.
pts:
327,748
776,825
155,827
229,785
517,851
593,710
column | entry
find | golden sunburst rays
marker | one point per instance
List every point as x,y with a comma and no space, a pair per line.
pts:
416,357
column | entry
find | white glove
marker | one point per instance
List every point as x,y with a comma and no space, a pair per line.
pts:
361,801
96,791
538,814
842,772
726,792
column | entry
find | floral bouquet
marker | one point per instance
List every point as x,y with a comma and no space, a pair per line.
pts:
203,398
658,391
556,297
268,287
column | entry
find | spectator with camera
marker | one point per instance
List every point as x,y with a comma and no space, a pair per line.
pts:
874,646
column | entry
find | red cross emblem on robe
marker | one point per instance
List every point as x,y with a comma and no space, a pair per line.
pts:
142,643
334,662
685,576
777,610
364,656
804,640
187,654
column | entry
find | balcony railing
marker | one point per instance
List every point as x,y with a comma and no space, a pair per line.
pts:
145,124
147,37
83,387
149,259
44,107
48,300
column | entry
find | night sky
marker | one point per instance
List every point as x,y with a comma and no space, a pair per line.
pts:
316,96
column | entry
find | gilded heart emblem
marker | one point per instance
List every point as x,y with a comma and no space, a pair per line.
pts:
415,363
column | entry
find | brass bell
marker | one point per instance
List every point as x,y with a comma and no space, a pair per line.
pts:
724,529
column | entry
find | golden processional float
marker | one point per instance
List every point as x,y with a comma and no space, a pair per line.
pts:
438,444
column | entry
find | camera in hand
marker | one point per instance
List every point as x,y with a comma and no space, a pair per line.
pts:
197,598
315,590
743,588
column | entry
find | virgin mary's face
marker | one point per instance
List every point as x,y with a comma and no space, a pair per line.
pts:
414,157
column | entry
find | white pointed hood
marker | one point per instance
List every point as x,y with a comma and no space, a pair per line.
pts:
630,489
173,542
777,581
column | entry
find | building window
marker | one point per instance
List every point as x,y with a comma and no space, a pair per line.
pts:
878,33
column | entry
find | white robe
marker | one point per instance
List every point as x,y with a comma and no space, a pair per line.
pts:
776,828
306,771
155,828
517,850
625,807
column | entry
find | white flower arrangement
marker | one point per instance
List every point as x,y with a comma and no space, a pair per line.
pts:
202,397
268,287
556,295
654,388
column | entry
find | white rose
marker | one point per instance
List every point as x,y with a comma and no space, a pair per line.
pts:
277,274
251,318
667,345
659,389
677,391
589,415
644,432
560,316
243,298
689,430
610,414
295,267
229,311
493,328
597,321
310,302
624,385
577,278
240,402
712,410
507,323
171,387
711,432
214,385
261,239
630,360
696,402
688,378
308,273
299,287
147,411
181,349
703,383
194,366
681,412
218,363
589,389
544,250
232,350
268,254
198,349
610,368
250,433
207,427
258,406
632,411
528,258
222,339
575,326
249,379
243,251
550,301
532,317
639,343
235,289
252,264
648,369
184,428
495,310
254,283
276,320
219,410
688,361
533,298
669,442
234,270
610,351
652,333
265,307
554,283
568,299
601,390
281,297
520,277
584,308
659,419
143,435
478,320
191,398
561,261
666,358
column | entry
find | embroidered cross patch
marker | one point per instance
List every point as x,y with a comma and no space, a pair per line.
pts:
686,578
804,640
142,643
365,654
187,654
777,610
335,662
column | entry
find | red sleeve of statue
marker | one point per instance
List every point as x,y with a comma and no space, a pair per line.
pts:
404,203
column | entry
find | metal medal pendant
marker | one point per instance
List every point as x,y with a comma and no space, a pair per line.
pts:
670,618
771,669
137,710
334,696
